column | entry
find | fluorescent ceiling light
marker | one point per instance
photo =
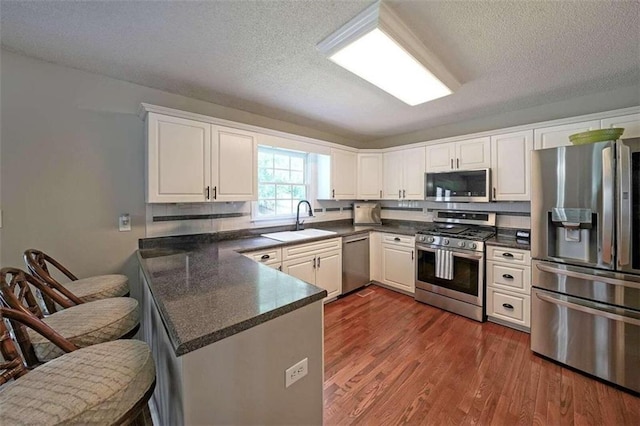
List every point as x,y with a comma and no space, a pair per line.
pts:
378,47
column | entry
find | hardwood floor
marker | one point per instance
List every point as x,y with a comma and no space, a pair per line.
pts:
391,360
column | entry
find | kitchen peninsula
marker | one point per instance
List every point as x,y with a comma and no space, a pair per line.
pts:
223,329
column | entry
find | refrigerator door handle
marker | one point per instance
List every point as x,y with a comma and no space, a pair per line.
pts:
607,204
582,276
587,309
624,197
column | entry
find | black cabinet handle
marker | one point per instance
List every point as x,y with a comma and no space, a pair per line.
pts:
494,193
396,239
207,192
507,254
333,193
457,163
314,263
265,257
452,164
411,254
318,262
507,306
404,193
399,193
215,192
507,276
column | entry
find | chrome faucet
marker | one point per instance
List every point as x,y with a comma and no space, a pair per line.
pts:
298,223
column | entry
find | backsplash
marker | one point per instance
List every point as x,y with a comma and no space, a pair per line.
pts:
195,218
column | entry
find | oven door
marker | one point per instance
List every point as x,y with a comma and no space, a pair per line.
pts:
468,273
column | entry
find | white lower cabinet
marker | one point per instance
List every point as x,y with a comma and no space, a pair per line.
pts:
509,287
318,263
271,258
398,262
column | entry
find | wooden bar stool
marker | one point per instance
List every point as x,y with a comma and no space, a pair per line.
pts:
85,324
86,289
109,383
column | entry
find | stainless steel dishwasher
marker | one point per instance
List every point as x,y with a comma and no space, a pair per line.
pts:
355,262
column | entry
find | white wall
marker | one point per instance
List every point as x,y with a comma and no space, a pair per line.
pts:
72,161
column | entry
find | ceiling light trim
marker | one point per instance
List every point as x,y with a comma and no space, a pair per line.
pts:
379,16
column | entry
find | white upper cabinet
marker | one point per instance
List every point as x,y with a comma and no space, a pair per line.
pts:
235,154
630,123
413,173
554,136
344,174
178,159
193,161
510,166
392,175
463,155
369,176
403,174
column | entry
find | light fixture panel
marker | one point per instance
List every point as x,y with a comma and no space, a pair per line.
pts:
378,47
378,59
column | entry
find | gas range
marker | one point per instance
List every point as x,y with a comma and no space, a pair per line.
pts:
450,261
457,236
461,230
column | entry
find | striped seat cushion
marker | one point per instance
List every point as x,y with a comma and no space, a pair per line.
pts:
99,287
88,324
94,385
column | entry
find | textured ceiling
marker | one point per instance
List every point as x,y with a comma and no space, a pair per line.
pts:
260,56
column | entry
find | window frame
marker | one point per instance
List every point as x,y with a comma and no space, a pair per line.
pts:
255,210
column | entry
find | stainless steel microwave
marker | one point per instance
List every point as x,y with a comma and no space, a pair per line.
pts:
459,186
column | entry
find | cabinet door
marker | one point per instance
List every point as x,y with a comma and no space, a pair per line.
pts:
369,176
630,123
234,165
392,175
440,158
510,166
551,137
473,154
413,173
344,175
178,159
302,269
398,267
329,273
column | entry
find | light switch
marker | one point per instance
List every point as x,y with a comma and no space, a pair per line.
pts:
124,222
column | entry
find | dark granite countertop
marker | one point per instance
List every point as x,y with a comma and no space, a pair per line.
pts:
507,238
206,290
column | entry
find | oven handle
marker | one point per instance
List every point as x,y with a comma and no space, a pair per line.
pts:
455,253
587,309
582,276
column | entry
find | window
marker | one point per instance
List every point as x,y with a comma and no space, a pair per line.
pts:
282,182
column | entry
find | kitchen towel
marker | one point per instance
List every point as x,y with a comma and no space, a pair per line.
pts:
444,264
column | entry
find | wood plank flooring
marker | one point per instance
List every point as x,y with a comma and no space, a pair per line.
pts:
391,360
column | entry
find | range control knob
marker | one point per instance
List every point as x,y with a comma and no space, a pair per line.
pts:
445,241
461,244
430,239
473,245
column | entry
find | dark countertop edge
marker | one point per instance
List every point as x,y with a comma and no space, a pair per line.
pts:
229,331
181,348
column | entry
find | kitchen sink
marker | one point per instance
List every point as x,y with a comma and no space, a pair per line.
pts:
297,235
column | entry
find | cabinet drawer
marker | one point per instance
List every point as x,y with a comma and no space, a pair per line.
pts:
507,306
300,250
509,255
265,256
513,277
400,240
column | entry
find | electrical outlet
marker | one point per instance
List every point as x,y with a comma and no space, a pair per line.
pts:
124,222
296,372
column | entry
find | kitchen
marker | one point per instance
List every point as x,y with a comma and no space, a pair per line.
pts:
97,174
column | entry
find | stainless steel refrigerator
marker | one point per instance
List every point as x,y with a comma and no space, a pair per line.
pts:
585,242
